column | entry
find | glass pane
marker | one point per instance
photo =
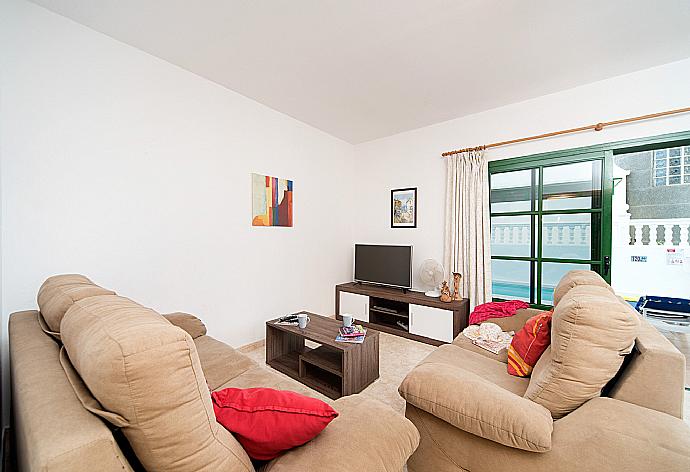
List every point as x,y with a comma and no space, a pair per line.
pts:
674,162
659,182
551,274
674,170
511,236
569,236
673,180
660,172
687,169
512,191
660,153
687,150
673,152
686,179
660,163
510,279
572,186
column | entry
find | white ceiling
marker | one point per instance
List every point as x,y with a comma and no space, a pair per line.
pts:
364,69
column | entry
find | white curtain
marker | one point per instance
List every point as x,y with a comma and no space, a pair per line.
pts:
468,231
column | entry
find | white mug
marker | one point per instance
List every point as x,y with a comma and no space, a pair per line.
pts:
303,320
347,320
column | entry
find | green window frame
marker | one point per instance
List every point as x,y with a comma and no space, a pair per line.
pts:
602,152
601,241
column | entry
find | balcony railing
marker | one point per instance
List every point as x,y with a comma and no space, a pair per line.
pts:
555,234
655,232
649,232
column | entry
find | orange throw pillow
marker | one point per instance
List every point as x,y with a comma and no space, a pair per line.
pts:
529,344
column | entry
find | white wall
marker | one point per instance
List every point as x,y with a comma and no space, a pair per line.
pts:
135,172
654,276
412,159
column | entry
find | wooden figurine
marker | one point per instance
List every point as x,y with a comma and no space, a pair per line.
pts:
445,293
456,285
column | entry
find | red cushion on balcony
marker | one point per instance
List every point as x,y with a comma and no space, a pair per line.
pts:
268,422
529,344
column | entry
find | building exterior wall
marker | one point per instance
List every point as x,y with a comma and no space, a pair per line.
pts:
646,200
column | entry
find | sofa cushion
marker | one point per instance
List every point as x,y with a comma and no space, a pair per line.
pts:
366,436
147,371
529,344
473,404
591,333
220,362
268,422
59,292
603,435
574,278
493,371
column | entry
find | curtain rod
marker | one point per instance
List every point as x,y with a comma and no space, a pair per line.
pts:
595,127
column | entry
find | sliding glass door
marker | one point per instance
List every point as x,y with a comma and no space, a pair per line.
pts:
549,215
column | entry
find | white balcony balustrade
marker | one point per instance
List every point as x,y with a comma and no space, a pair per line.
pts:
657,232
555,234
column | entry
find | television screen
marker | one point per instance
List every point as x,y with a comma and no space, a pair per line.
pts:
384,265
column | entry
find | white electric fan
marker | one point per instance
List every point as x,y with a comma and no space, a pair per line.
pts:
431,274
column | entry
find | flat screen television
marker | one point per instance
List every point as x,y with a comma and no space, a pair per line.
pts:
384,265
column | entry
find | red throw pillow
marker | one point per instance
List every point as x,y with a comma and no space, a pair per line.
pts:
267,422
529,344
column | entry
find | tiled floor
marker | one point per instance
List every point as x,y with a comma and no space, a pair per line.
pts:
397,357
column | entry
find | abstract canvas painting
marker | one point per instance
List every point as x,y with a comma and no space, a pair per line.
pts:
271,201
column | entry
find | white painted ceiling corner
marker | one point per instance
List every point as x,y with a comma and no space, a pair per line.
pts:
361,70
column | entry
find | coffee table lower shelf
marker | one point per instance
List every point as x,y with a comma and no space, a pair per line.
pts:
311,375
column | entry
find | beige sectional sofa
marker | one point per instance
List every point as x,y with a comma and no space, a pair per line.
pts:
473,416
102,383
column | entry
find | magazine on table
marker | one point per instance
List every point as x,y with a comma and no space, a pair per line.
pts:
491,346
352,331
350,339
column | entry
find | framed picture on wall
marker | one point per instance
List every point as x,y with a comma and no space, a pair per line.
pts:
404,208
271,201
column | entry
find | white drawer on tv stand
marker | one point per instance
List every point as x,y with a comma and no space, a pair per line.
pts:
430,322
354,304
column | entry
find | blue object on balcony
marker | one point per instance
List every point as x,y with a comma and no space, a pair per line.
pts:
669,313
674,305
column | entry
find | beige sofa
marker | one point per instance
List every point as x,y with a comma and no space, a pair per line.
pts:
473,416
102,383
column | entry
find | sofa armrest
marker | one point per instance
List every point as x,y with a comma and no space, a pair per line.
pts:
382,438
515,322
190,323
653,375
477,406
622,435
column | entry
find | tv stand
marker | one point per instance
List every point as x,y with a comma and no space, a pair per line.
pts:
405,313
361,284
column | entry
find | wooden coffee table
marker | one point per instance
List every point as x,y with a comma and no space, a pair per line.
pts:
335,369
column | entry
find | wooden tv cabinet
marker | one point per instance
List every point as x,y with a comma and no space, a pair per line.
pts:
408,314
